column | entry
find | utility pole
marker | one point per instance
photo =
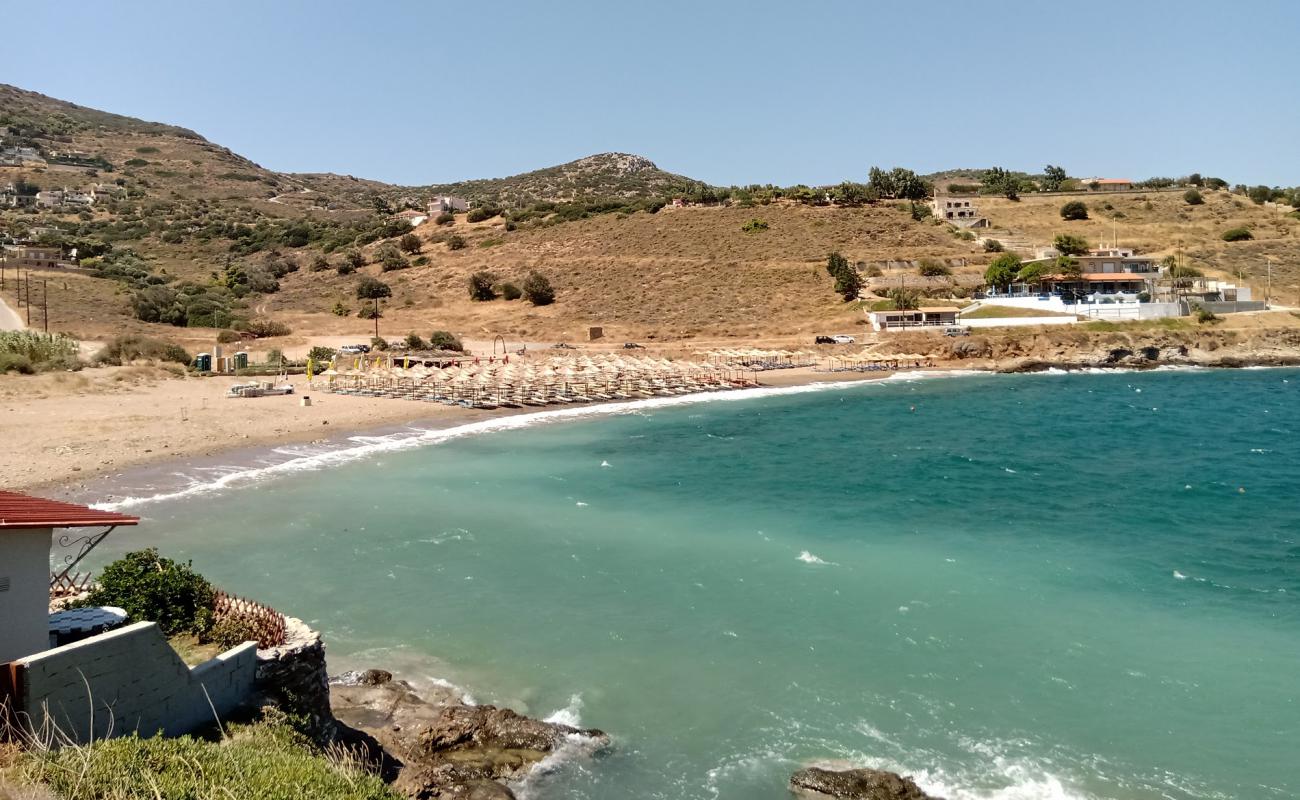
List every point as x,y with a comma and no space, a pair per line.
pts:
45,303
376,317
28,284
1268,289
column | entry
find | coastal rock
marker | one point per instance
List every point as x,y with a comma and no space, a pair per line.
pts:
436,746
855,784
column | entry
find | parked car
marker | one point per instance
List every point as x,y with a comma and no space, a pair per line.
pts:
354,349
956,330
843,339
633,346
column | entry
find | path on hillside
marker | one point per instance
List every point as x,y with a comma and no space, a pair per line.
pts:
9,319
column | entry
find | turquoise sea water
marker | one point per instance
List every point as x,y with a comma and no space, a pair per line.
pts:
1047,586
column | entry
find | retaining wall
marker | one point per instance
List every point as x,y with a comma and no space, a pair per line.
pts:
1015,322
294,676
131,679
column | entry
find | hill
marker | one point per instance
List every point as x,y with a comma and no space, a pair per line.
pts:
602,176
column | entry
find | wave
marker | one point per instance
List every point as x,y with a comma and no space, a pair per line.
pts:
359,447
808,558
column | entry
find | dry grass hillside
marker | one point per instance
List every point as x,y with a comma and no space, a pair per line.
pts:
1159,222
680,273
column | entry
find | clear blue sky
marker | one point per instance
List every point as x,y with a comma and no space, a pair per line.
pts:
728,92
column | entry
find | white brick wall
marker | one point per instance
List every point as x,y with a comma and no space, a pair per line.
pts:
136,682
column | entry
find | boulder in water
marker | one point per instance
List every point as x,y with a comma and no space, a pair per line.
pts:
855,784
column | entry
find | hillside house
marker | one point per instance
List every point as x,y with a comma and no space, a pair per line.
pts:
446,204
26,256
1107,184
50,198
102,192
412,216
1113,259
961,210
13,156
923,317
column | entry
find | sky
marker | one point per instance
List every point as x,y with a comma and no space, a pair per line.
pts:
809,91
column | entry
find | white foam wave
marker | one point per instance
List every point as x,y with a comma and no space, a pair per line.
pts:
808,558
570,715
367,446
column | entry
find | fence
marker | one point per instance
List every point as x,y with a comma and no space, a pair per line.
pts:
69,585
266,623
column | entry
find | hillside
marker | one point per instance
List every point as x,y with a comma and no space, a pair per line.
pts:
602,176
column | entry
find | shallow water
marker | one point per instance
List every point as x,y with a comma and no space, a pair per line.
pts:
1046,586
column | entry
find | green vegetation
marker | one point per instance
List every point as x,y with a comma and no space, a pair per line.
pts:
482,213
901,184
321,355
992,246
133,347
445,340
445,218
848,283
1069,244
1205,316
265,759
150,587
369,288
538,290
509,291
997,180
903,299
455,242
1053,178
414,342
997,312
1193,198
480,286
1237,235
1074,210
930,268
754,226
1032,272
390,259
410,243
1002,271
28,352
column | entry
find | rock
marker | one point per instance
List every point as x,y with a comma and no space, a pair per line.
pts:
977,347
441,748
856,784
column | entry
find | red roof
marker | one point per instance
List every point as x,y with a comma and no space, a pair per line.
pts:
19,511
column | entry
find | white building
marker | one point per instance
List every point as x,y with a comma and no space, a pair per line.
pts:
446,203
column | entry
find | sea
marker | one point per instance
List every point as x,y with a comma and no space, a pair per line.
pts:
1033,587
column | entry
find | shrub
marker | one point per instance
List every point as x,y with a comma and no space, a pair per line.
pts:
847,281
232,632
378,343
931,268
133,347
1070,245
275,356
445,218
992,246
538,290
156,589
321,354
480,286
13,362
354,259
228,336
1075,209
482,213
414,342
455,242
1237,235
263,328
511,292
340,310
410,243
33,351
1205,316
346,268
1193,198
319,264
369,312
445,340
754,226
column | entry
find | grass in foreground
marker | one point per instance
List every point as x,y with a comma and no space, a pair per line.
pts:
998,312
266,760
1167,324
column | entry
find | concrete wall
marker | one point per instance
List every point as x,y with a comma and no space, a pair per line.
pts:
294,676
136,682
25,605
1230,307
1015,322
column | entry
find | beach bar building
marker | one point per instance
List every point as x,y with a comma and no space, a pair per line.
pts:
923,317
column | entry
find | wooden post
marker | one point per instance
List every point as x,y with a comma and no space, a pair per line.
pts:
45,303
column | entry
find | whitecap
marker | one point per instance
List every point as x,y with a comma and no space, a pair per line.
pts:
580,504
808,558
606,464
1179,576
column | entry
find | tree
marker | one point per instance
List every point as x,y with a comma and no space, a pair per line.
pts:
319,263
410,243
1068,267
999,181
903,299
1053,177
847,281
1195,179
910,187
538,290
1032,272
369,288
1075,209
881,181
414,342
992,246
1002,271
1070,245
380,205
480,286
445,340
390,259
1193,198
354,259
854,194
150,587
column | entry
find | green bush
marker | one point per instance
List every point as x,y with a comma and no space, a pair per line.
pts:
1070,245
992,246
445,340
156,589
378,344
1193,198
1075,209
445,218
538,289
345,268
754,226
455,242
228,336
1237,235
33,351
231,632
480,286
931,268
340,310
263,328
13,362
267,759
134,347
414,342
319,264
410,243
482,213
511,292
321,354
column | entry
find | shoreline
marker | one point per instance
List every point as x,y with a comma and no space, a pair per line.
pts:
156,455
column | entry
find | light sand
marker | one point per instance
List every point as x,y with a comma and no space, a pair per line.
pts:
61,430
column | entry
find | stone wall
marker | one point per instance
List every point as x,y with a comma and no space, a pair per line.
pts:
294,677
130,679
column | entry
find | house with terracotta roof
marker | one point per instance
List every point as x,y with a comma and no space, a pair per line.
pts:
1107,184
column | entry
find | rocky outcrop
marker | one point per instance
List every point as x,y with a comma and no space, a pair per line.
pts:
855,784
293,676
439,747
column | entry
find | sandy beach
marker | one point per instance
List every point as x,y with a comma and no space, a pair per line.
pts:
72,429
